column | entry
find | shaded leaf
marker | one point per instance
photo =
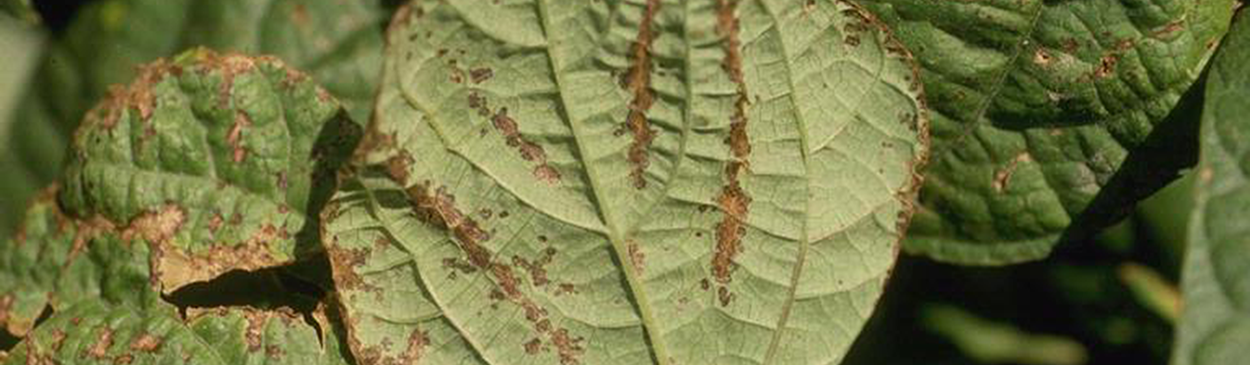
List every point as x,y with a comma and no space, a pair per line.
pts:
219,162
1215,324
624,182
1036,105
24,43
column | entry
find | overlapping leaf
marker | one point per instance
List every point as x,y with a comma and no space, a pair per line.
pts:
625,182
56,260
221,160
1215,326
99,333
1036,104
337,42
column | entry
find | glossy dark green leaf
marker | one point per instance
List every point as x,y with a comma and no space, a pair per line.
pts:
1036,105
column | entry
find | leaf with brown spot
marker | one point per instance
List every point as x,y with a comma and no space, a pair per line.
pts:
607,157
1100,108
338,43
100,333
269,166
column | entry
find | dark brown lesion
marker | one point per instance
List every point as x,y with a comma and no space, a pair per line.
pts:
733,200
638,82
511,131
438,207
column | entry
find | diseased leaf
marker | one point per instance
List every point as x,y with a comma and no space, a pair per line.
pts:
337,42
56,260
98,333
220,162
1215,323
624,182
1036,105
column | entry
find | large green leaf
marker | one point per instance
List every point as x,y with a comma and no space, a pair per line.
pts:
1215,326
1036,105
222,161
337,42
627,182
99,333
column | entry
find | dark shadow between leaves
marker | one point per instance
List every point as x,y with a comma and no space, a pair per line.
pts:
293,286
332,150
1171,148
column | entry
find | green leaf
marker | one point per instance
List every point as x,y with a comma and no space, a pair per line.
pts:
100,333
220,162
625,182
58,260
1215,324
25,43
337,42
1036,105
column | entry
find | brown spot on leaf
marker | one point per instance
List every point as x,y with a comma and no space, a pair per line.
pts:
123,359
480,75
1003,177
530,151
567,347
235,136
437,207
345,263
146,343
99,349
565,288
155,226
537,270
638,82
173,268
397,167
1041,57
417,341
533,346
1106,66
636,257
255,329
1169,29
733,200
724,295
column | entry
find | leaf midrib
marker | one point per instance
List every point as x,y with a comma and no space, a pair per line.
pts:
658,349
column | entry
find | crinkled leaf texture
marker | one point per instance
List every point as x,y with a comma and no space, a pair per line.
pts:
56,260
1215,326
627,182
206,164
1036,105
92,332
339,43
223,160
